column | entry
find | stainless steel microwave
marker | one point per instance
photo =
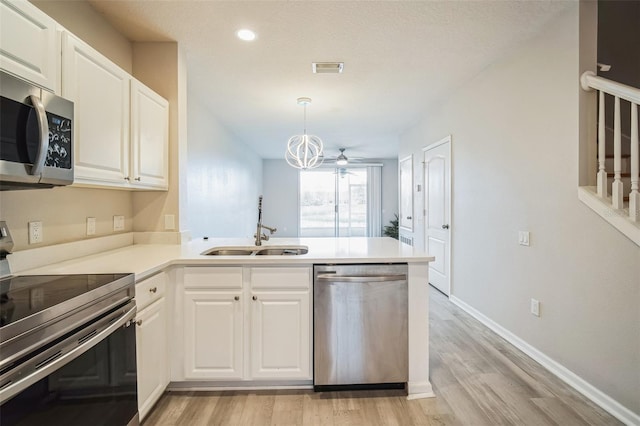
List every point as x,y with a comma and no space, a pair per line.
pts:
36,140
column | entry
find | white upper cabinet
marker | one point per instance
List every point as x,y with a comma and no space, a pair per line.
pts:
29,45
121,126
149,137
100,92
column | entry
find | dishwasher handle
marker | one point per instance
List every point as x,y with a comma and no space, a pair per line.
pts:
361,278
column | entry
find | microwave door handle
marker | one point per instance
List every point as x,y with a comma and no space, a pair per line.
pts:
43,126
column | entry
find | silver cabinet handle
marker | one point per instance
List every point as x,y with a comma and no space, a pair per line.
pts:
445,226
43,126
138,179
255,297
236,298
409,217
153,289
127,178
361,278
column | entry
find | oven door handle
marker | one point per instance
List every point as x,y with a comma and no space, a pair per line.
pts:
64,352
43,126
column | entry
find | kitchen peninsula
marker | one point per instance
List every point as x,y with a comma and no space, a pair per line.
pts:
235,321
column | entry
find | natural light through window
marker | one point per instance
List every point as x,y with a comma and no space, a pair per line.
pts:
333,203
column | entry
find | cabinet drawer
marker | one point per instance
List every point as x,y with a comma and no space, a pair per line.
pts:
281,277
150,290
213,277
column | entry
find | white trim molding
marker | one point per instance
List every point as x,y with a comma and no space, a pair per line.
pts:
616,218
563,373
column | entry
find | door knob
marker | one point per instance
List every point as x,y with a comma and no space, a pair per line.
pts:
236,298
445,226
255,297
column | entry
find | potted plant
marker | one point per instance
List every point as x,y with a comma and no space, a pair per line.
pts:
392,230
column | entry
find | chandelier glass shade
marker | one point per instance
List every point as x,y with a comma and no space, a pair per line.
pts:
304,151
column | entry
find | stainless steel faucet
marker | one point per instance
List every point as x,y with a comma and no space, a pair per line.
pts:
259,235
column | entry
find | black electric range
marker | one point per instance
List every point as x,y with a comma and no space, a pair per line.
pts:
28,302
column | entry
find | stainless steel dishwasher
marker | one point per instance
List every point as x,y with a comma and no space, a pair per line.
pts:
360,326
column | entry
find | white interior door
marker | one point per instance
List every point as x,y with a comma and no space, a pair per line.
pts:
437,209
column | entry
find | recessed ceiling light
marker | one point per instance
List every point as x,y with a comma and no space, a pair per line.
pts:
246,35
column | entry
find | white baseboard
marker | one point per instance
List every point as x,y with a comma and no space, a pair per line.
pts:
418,390
585,388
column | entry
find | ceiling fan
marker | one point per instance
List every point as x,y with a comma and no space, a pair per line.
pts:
342,160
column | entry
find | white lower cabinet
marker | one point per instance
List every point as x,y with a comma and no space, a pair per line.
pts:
246,323
213,335
151,342
280,343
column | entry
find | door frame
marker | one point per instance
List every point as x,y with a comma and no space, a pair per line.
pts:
445,140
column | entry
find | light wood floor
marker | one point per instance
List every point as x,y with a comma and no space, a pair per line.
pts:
478,379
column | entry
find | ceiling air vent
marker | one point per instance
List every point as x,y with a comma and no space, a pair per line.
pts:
327,67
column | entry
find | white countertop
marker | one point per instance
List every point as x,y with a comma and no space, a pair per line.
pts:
146,259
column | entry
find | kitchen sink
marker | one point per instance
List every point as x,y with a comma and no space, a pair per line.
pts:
283,251
229,251
288,250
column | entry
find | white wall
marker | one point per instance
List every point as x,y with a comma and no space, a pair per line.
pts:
280,188
224,177
515,167
389,190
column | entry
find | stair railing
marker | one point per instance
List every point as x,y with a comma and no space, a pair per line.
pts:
590,81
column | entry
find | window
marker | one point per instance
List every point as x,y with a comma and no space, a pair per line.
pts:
334,202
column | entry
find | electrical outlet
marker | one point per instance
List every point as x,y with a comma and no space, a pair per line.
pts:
91,226
169,222
118,223
535,307
35,232
523,238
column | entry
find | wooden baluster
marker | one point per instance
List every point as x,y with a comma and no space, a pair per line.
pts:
634,196
617,192
602,173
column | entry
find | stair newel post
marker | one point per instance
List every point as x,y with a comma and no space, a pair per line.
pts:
634,196
617,192
602,173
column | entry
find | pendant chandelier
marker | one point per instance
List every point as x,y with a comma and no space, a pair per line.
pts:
304,151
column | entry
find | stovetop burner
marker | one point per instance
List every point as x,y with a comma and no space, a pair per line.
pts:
34,295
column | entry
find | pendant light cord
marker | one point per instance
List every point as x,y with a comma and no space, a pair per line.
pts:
305,119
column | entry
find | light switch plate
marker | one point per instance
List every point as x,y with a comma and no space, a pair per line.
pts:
91,226
523,238
118,223
535,307
169,222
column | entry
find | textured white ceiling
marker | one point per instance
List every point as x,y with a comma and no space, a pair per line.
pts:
400,57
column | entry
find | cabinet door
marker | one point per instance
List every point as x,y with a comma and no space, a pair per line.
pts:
100,92
28,43
213,335
152,358
149,137
280,335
